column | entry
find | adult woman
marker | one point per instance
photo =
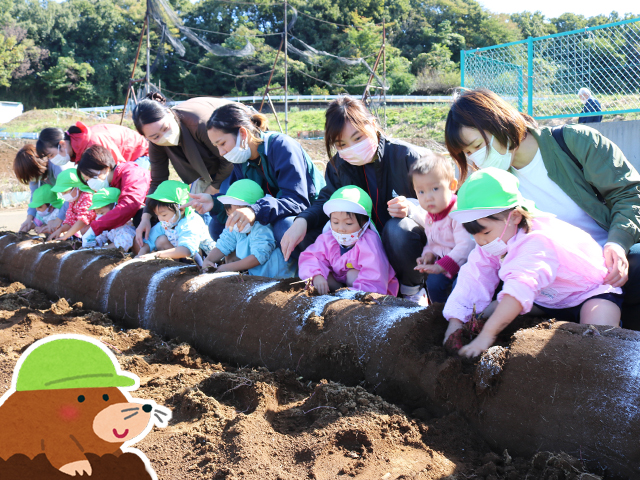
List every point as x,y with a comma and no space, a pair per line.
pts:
62,147
380,166
179,135
599,195
33,170
98,169
273,160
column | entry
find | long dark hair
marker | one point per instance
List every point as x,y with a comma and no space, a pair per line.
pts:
230,117
95,159
487,112
150,110
51,138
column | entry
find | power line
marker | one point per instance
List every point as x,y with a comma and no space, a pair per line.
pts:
238,34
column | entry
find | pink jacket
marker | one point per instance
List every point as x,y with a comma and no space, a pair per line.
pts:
555,265
367,256
125,145
447,240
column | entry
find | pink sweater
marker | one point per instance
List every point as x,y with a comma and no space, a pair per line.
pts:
447,240
555,265
367,256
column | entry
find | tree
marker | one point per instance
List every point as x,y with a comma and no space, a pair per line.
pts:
11,56
67,82
533,24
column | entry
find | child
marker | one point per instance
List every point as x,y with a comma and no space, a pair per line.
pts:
47,205
350,253
78,195
121,237
448,243
255,246
547,266
180,232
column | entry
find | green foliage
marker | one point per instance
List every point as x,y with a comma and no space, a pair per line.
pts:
11,56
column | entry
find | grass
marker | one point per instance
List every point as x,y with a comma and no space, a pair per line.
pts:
36,120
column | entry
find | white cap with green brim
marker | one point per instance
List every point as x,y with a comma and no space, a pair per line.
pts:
242,193
487,192
349,199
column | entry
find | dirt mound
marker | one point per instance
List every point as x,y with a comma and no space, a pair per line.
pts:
233,423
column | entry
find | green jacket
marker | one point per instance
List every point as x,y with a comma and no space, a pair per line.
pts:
606,168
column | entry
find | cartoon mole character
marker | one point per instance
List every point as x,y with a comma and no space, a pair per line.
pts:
69,397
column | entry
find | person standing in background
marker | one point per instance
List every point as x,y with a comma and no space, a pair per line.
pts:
590,105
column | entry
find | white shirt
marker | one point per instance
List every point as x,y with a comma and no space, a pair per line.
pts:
536,185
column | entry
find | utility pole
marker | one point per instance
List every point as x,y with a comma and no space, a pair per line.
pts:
286,71
384,73
148,77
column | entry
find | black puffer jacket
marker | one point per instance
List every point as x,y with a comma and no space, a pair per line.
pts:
391,166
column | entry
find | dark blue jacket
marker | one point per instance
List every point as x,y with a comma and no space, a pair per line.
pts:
591,105
285,172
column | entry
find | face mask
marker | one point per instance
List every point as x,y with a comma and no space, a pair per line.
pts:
497,247
494,159
96,184
172,137
349,239
246,229
361,153
172,223
68,197
60,160
99,215
240,153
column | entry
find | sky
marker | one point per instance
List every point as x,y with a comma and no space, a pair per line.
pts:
554,8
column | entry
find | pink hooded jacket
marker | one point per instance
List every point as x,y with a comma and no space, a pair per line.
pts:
447,240
125,145
367,256
555,265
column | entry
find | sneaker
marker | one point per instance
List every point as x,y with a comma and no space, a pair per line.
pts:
420,298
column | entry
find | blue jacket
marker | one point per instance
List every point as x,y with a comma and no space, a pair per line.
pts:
591,105
192,233
285,172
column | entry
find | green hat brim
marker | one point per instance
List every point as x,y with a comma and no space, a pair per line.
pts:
64,187
98,205
229,200
342,205
471,214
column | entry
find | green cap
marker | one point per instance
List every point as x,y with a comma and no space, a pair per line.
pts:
104,197
68,179
487,192
172,191
242,192
349,199
44,195
63,363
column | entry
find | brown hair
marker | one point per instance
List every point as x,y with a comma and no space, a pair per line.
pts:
342,110
433,161
487,112
28,165
230,117
474,227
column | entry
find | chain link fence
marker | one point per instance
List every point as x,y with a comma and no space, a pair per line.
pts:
542,76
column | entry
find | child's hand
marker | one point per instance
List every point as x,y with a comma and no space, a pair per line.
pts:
454,324
53,236
147,256
479,345
321,284
209,264
64,236
225,267
426,259
430,269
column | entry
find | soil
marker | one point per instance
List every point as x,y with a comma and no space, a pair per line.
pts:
8,150
231,422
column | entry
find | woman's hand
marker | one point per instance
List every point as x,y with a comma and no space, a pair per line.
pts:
293,237
201,202
321,284
426,259
479,345
399,207
27,224
433,269
242,217
142,232
617,265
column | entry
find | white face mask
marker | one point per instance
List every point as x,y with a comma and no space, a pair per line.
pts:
349,239
69,197
172,223
172,137
96,183
493,159
497,247
99,215
246,229
60,160
240,153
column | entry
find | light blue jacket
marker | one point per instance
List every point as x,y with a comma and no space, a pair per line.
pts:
260,243
192,233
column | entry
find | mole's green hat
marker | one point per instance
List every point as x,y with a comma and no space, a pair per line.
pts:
44,195
68,179
69,363
349,199
104,197
172,191
487,192
242,192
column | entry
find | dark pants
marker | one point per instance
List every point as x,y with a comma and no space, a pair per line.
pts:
403,241
439,287
632,287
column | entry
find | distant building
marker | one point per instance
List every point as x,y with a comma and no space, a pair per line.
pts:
9,111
